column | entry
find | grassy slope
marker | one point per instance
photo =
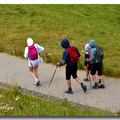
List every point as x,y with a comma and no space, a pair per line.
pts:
49,24
11,99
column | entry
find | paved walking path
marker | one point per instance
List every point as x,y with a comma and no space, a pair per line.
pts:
15,70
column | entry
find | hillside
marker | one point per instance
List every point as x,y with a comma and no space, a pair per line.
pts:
48,24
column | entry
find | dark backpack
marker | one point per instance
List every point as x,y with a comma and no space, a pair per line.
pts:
32,52
100,53
74,57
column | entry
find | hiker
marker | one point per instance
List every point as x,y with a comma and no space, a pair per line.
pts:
88,65
96,66
71,68
33,63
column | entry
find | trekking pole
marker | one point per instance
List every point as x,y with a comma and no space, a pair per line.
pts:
90,81
53,75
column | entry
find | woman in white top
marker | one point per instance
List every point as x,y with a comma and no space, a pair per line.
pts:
33,64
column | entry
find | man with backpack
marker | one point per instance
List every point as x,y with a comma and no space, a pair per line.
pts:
70,57
96,59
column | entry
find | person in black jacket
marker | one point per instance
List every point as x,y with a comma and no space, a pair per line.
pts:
71,68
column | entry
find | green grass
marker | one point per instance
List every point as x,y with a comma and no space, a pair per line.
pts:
15,103
48,24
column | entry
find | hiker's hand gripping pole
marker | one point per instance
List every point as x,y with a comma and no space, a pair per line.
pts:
53,75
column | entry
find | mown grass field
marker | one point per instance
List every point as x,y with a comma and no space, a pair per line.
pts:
15,103
48,24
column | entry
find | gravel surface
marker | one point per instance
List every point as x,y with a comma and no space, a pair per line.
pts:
14,71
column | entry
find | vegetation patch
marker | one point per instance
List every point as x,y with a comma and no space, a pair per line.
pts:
48,24
13,102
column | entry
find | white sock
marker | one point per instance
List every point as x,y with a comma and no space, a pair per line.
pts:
36,80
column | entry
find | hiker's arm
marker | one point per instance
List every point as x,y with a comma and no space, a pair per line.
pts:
61,64
65,53
26,54
39,48
86,57
92,56
78,53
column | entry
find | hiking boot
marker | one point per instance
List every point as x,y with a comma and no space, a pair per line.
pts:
69,91
37,82
86,79
102,86
84,87
95,86
99,81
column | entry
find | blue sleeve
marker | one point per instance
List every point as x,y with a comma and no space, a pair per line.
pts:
86,56
64,58
93,52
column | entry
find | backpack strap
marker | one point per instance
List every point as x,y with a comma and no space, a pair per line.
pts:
68,49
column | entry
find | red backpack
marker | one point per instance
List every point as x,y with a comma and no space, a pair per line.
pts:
32,52
74,57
